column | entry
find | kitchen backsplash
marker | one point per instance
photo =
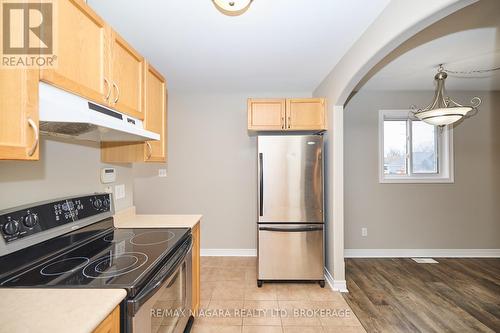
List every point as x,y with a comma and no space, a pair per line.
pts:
66,167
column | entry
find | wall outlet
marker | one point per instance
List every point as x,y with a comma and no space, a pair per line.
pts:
162,172
364,232
120,191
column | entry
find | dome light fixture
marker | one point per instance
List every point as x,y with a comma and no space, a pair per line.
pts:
232,7
443,110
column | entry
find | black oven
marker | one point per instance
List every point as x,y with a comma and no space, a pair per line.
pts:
164,304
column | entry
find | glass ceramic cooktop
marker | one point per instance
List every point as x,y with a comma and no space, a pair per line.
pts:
120,258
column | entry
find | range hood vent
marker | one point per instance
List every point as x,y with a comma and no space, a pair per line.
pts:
67,115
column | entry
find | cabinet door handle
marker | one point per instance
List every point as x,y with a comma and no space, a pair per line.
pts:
117,92
106,98
282,122
37,138
150,150
289,121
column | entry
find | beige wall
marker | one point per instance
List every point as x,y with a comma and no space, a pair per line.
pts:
463,215
65,168
211,169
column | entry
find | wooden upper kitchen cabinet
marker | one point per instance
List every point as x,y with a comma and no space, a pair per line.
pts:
19,130
155,120
266,114
305,114
294,114
127,78
82,53
94,62
111,324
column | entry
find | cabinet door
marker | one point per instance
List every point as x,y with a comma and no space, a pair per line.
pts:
82,55
111,324
196,287
266,114
19,135
127,78
156,115
305,114
155,121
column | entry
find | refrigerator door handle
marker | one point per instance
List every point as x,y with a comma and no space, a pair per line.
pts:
261,185
297,229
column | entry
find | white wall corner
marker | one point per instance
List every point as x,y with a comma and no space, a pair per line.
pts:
335,285
228,252
338,193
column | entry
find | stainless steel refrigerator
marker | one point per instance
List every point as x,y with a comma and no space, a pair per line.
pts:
290,208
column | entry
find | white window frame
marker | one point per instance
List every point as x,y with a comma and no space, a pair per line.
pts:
445,154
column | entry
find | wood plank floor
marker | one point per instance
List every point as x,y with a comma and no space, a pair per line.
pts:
400,295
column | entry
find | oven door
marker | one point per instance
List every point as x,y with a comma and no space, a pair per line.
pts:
165,305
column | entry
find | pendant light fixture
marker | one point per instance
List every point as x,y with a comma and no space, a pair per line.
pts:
443,110
232,7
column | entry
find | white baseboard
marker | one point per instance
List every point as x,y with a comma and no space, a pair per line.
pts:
409,253
335,285
228,252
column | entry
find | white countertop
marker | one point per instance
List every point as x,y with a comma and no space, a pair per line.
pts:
56,310
128,219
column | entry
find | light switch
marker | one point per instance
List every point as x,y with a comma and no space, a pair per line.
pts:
162,172
120,191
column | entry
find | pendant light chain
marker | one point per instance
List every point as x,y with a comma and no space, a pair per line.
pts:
478,71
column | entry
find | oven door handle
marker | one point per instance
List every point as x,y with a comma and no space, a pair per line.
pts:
166,279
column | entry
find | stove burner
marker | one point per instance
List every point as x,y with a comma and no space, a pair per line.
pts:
114,265
124,262
64,266
114,238
152,237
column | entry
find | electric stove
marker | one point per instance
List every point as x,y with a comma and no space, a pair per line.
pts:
72,243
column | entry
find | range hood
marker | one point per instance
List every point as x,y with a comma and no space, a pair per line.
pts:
67,115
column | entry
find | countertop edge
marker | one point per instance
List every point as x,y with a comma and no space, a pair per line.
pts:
128,218
63,310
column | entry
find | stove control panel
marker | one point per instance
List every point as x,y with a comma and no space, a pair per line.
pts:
26,221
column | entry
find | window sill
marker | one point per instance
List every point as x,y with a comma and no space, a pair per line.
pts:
417,180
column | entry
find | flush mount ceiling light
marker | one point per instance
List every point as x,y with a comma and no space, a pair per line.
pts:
232,7
443,110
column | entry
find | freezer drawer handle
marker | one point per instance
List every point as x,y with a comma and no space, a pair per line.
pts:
298,229
261,185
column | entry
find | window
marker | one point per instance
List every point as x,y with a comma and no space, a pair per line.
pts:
412,151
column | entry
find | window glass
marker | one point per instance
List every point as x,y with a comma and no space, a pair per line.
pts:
424,148
395,147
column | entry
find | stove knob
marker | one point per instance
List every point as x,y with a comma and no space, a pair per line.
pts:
30,220
11,227
105,203
97,203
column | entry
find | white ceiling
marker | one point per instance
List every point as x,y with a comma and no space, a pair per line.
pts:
464,41
278,45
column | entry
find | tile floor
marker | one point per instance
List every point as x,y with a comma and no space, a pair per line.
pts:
232,302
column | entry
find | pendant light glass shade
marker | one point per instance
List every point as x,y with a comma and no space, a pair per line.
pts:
232,7
444,116
443,110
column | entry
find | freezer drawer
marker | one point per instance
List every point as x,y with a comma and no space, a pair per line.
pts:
290,252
